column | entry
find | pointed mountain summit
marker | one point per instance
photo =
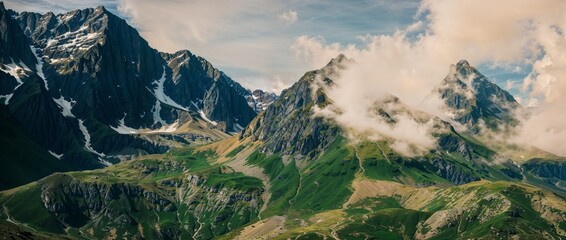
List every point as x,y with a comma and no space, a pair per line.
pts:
287,126
473,98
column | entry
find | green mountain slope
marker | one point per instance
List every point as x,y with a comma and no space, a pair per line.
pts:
292,175
172,196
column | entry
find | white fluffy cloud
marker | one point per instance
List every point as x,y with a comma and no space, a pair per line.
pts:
289,17
410,64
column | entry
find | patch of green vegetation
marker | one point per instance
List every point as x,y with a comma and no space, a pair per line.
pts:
272,165
380,169
479,148
310,236
284,181
390,223
325,182
25,206
135,195
382,163
236,151
193,160
284,187
237,181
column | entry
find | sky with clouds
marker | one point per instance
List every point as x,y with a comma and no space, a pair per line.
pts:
402,47
252,40
255,41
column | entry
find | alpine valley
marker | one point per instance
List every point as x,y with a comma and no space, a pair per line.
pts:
104,137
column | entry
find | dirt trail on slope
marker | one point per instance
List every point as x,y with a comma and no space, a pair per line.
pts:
360,162
383,153
359,176
264,229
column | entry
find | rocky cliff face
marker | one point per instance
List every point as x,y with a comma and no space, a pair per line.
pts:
288,126
475,100
452,172
260,100
17,60
19,52
104,209
20,155
206,90
548,169
220,102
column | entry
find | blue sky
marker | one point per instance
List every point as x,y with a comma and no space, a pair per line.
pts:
253,42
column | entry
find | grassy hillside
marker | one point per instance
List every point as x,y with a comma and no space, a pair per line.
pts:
231,189
176,195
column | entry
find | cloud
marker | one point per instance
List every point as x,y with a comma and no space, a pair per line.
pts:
289,17
170,22
483,32
245,40
240,38
510,84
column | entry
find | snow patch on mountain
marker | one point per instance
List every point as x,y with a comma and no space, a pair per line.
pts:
202,115
39,66
106,163
238,127
65,106
73,41
6,98
159,93
86,134
156,110
123,129
15,70
259,100
58,156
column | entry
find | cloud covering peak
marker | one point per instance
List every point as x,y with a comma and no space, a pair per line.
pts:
411,62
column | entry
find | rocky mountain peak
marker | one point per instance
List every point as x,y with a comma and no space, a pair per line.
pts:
101,8
288,126
339,62
463,64
101,85
259,100
472,97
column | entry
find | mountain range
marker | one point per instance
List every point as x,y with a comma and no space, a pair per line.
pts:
105,137
89,90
